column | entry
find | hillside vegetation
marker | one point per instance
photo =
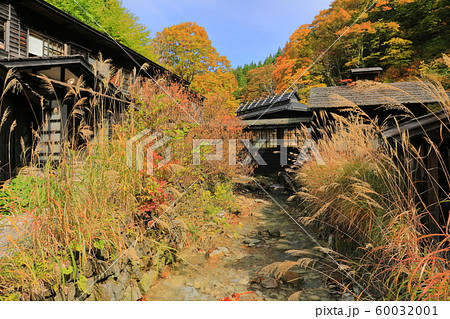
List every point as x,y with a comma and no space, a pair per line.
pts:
405,37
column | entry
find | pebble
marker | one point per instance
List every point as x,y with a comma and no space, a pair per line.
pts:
314,298
282,247
255,280
216,254
269,283
284,241
291,277
274,232
253,241
239,256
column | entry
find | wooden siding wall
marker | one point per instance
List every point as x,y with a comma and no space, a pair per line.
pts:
4,15
16,38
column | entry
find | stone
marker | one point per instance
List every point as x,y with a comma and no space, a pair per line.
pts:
124,277
313,298
248,297
104,269
148,279
216,254
132,292
107,291
291,277
264,233
134,271
274,232
269,283
296,296
277,187
261,244
223,249
261,201
253,241
59,295
132,255
71,291
88,269
282,247
239,256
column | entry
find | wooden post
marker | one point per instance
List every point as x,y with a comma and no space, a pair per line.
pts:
433,190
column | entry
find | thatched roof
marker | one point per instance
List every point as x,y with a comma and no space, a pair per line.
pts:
368,93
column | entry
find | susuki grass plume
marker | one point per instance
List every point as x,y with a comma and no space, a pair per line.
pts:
369,197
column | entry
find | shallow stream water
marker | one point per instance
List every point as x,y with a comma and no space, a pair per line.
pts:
234,263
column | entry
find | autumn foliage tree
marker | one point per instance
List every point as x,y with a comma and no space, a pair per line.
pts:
261,83
217,87
110,16
405,37
186,49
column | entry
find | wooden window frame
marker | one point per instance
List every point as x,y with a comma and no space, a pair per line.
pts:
50,46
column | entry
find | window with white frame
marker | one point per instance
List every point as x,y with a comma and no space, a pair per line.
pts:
43,47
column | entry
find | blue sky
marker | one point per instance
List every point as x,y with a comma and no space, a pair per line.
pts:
242,30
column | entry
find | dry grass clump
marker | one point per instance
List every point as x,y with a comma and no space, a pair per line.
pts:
88,204
369,197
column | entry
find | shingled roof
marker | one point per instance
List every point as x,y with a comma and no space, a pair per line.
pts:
368,93
272,104
268,101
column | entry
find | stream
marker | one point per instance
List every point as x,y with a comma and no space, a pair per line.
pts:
231,269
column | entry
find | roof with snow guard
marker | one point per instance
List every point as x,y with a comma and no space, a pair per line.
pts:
366,70
271,104
368,93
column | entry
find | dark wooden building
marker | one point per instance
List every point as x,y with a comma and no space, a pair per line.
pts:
38,39
431,135
418,111
370,73
276,121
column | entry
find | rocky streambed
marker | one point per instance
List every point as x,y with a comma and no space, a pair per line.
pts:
231,268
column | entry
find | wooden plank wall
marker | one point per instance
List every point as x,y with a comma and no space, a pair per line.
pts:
17,42
4,15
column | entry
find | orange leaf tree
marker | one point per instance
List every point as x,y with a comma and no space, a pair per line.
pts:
186,49
218,88
260,83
